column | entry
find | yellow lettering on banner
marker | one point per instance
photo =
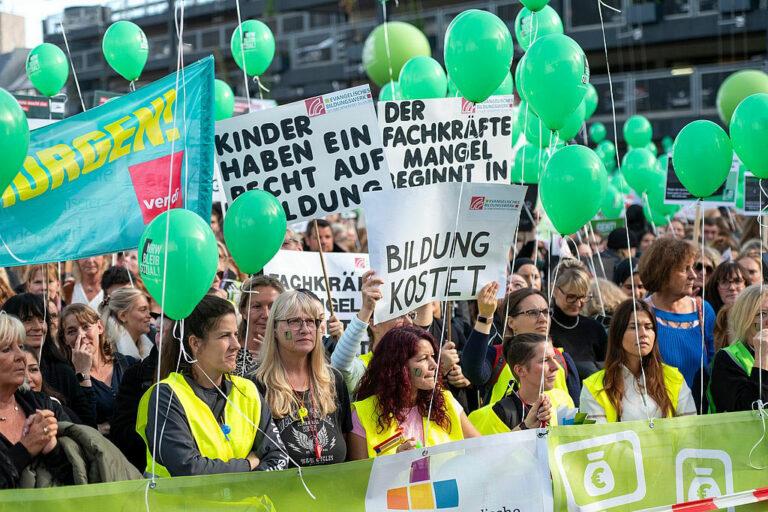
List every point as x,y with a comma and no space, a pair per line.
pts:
149,123
94,155
57,159
38,185
170,101
120,134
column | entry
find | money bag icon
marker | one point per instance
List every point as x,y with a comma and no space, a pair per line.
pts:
703,486
598,476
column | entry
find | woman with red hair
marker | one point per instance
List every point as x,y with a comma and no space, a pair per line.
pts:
393,413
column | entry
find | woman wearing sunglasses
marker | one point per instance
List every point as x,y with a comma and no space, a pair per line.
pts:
740,368
582,337
308,399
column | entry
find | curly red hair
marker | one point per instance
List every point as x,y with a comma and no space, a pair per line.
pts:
388,378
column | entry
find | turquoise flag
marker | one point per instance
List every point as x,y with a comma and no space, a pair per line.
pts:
91,183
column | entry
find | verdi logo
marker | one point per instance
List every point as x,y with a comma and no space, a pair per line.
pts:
602,472
423,494
150,183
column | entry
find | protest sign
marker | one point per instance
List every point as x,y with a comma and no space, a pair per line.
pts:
755,195
465,476
298,269
316,156
528,213
676,193
241,105
603,227
90,183
447,251
628,466
40,107
448,140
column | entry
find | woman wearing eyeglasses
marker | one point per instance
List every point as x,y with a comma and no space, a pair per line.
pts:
724,285
308,399
740,368
667,270
704,267
582,337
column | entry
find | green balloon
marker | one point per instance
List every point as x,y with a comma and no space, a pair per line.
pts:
405,42
530,26
478,53
637,131
572,170
740,188
422,78
534,5
192,258
613,202
14,138
254,49
736,88
652,148
390,91
749,133
453,92
608,151
254,229
529,163
573,124
702,156
590,100
126,49
618,181
610,165
47,69
597,132
640,169
507,86
224,102
554,77
535,131
666,143
654,207
516,131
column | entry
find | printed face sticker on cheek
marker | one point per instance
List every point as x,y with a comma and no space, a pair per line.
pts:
288,335
416,372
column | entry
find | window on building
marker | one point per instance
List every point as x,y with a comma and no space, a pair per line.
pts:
672,7
604,98
710,82
708,5
293,23
663,94
579,13
210,39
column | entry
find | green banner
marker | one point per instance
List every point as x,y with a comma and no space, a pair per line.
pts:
338,487
631,466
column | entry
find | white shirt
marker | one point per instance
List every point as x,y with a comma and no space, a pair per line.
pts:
632,407
79,297
126,346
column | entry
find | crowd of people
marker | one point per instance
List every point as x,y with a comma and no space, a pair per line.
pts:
639,326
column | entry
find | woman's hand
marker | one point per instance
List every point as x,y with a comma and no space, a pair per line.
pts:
409,444
371,294
81,357
39,434
456,378
253,461
486,299
335,327
449,357
760,346
540,413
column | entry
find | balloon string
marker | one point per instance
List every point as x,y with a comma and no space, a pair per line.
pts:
20,260
242,55
72,64
262,87
650,211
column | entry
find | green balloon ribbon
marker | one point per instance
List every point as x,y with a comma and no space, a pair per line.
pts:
570,169
253,47
125,49
749,133
254,229
192,259
405,42
224,102
702,156
422,78
478,53
47,69
14,138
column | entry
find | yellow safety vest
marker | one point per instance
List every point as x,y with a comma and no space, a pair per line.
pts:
487,422
242,412
505,377
368,414
673,382
366,358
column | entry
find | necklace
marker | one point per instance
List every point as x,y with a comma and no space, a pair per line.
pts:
15,409
565,326
311,426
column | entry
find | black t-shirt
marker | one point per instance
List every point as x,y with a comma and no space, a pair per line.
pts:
582,337
301,438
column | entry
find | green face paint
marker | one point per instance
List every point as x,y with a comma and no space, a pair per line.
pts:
288,335
417,372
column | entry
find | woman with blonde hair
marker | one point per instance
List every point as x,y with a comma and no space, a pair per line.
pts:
610,294
308,399
126,318
740,368
581,336
86,287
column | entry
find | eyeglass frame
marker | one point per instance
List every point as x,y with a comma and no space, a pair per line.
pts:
530,313
309,323
569,297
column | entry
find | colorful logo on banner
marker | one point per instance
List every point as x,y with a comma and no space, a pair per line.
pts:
150,182
315,106
423,494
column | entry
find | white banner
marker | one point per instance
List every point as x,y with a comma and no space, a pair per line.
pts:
448,140
440,242
499,473
316,156
297,269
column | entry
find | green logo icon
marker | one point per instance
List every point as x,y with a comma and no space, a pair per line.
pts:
703,474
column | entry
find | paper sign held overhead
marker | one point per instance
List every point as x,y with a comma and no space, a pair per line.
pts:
317,156
448,140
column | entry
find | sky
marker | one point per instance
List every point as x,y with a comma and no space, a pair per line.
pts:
35,11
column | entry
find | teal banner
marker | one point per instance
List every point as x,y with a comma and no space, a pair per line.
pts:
91,183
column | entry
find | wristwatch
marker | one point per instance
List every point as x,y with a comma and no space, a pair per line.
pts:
81,377
523,426
483,319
